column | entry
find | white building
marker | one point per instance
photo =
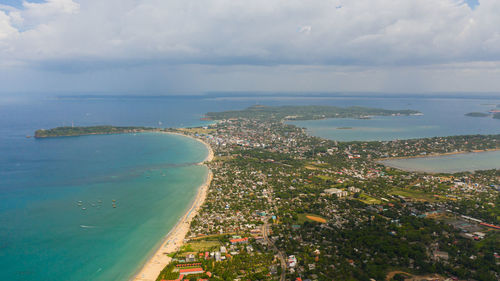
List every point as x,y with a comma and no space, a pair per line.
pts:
353,189
336,191
292,261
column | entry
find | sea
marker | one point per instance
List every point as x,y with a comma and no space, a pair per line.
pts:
95,207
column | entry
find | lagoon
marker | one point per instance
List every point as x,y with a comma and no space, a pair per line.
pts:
448,163
441,117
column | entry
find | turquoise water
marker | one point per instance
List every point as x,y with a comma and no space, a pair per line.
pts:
45,234
449,163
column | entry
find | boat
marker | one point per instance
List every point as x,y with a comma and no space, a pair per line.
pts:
114,205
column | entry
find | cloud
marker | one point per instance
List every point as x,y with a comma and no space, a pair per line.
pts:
6,29
364,32
70,36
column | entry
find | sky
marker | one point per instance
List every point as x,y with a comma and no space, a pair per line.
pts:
193,46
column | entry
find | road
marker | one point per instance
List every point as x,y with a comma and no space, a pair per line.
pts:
281,256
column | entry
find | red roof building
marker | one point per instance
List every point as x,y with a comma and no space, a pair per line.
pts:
239,241
196,270
189,264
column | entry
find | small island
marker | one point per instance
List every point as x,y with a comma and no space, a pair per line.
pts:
477,114
344,128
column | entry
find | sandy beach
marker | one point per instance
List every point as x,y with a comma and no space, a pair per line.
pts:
175,238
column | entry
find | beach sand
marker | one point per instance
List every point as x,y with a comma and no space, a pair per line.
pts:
175,238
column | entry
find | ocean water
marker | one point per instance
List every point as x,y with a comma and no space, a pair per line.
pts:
449,163
57,220
46,235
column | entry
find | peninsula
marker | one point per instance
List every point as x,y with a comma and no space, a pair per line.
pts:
92,130
283,205
312,112
477,114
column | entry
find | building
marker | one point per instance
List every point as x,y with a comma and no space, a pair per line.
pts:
217,256
292,261
187,271
239,241
353,189
339,192
190,258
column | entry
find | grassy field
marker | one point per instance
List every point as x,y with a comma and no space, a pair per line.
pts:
302,218
414,194
367,199
201,246
325,177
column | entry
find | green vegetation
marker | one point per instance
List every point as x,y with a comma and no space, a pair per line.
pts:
93,130
477,114
201,246
413,194
367,199
278,113
168,273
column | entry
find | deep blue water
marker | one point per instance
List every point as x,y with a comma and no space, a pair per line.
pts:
46,235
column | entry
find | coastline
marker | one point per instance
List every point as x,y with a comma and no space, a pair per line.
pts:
378,160
175,237
387,162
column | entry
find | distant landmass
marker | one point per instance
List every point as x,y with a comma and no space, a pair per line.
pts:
312,112
477,114
92,130
496,115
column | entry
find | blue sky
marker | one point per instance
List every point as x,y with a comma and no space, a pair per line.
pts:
179,46
472,3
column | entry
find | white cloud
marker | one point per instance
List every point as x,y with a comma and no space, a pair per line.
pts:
259,31
71,36
6,29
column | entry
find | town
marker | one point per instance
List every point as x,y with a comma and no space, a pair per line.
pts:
287,206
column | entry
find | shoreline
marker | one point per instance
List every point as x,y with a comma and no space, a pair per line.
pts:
435,155
174,239
382,161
